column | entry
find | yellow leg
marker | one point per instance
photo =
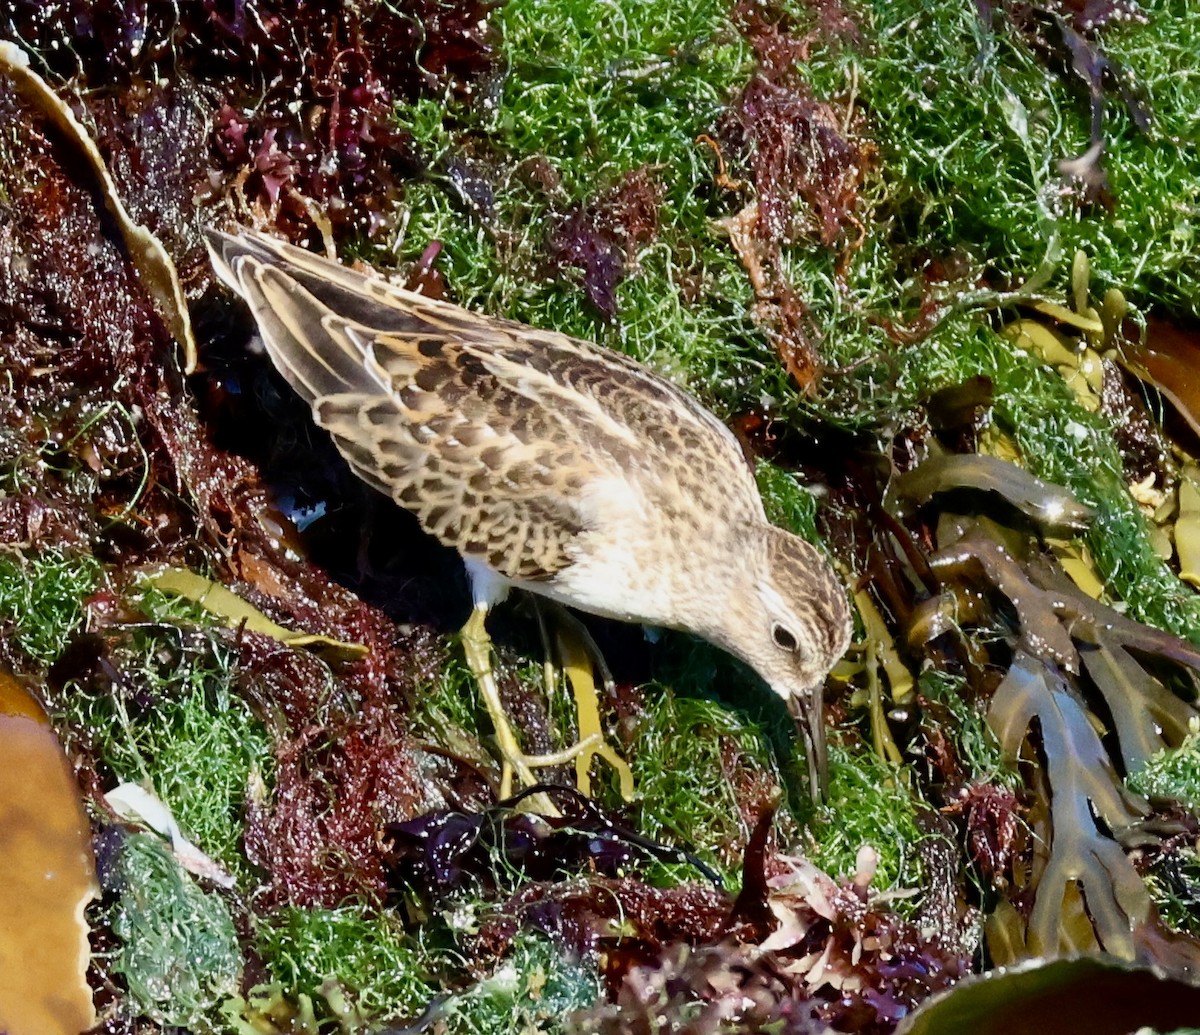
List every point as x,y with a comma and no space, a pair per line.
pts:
577,662
581,661
477,646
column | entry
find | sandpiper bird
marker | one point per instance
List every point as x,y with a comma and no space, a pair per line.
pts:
551,465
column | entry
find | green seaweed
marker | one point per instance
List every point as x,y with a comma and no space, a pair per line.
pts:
787,502
1174,884
971,127
1172,773
362,956
871,803
688,798
180,956
42,595
976,742
635,80
532,991
199,745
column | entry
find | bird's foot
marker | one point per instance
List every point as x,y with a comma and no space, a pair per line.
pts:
515,763
581,660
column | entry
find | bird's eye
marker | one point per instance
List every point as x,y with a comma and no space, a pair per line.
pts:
784,638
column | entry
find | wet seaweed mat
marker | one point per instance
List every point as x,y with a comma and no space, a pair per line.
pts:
852,230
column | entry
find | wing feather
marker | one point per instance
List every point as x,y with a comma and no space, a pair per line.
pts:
488,430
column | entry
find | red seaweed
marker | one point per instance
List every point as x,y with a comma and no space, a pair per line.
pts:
601,238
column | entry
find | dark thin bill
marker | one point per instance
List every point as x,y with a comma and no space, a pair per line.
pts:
807,708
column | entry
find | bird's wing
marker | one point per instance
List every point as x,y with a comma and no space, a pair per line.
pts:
488,430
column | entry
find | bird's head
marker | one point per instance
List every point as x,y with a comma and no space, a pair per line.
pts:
788,618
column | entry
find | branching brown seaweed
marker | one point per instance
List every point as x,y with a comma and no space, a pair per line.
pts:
1087,696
